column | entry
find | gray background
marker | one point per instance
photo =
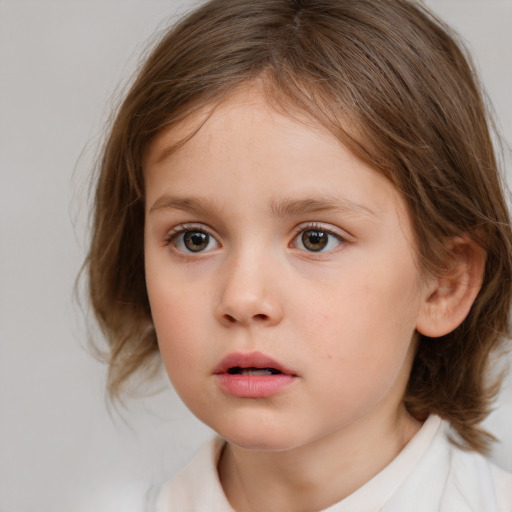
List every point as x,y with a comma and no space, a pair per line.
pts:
61,66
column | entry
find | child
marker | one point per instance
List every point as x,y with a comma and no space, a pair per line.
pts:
299,210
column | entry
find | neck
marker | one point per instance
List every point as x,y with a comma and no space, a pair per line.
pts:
316,475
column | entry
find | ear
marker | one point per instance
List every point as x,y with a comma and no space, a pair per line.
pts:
451,295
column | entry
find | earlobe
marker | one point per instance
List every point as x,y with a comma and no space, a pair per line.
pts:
451,295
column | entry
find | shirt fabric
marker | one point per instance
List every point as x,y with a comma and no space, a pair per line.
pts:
429,475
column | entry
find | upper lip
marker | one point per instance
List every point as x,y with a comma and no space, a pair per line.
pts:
250,360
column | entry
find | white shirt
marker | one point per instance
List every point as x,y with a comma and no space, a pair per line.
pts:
429,475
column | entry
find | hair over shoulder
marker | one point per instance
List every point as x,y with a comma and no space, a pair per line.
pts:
393,84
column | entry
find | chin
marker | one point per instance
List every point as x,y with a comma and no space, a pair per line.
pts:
254,426
260,437
259,443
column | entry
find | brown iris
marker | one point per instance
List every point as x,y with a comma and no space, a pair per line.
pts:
315,240
196,241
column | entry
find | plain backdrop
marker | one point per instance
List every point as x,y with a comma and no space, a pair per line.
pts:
62,66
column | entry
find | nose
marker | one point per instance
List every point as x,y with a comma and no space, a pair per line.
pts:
249,294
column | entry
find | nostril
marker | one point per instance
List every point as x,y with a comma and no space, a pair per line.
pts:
261,316
231,319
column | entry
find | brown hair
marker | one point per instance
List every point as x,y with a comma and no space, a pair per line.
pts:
391,82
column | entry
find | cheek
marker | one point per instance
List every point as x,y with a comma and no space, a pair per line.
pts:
178,330
168,293
357,304
177,320
185,347
178,316
362,325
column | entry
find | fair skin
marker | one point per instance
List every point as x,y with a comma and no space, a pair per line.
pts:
265,235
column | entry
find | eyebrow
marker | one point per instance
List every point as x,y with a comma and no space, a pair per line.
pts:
286,207
290,207
187,204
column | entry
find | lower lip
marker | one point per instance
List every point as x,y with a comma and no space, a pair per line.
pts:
253,386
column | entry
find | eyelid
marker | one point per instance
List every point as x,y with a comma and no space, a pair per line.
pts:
186,226
321,226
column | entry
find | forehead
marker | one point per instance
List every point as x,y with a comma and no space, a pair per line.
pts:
259,97
246,132
216,115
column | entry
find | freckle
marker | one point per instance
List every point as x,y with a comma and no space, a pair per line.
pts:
329,356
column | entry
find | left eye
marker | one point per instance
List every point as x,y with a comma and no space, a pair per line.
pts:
317,240
194,241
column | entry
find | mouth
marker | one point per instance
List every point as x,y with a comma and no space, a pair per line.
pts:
252,375
237,370
252,363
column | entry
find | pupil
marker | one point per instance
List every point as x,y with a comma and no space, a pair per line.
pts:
196,241
314,240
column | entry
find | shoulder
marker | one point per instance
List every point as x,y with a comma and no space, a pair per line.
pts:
197,485
503,485
447,478
477,478
474,480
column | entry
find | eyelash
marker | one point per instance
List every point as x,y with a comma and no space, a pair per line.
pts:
182,229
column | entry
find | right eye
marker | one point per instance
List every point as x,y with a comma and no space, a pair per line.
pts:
193,241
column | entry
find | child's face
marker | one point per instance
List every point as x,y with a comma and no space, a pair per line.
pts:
265,238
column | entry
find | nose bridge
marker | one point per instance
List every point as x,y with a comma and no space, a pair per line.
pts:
248,290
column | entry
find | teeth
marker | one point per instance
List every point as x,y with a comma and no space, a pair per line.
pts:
253,371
